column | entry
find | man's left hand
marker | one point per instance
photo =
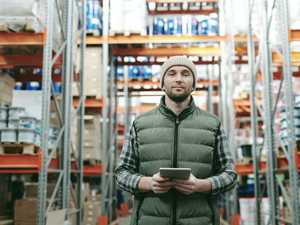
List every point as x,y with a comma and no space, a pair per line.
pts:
192,185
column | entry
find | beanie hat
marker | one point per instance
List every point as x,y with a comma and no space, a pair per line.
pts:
177,61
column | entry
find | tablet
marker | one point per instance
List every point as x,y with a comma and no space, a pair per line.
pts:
175,173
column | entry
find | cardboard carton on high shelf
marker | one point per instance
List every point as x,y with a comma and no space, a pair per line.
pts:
7,85
93,73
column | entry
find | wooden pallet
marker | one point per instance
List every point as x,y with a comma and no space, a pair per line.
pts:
22,148
127,33
93,32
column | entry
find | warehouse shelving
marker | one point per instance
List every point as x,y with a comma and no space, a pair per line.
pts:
274,164
181,1
26,38
164,51
10,61
244,169
38,163
31,164
161,39
127,85
214,51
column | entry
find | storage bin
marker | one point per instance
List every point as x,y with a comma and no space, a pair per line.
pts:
26,136
9,135
14,113
3,113
13,124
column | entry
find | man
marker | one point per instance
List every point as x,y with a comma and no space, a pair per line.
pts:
176,134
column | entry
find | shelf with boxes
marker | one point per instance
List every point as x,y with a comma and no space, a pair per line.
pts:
21,38
39,54
182,7
245,169
31,164
164,39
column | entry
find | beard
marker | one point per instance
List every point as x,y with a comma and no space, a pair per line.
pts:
178,97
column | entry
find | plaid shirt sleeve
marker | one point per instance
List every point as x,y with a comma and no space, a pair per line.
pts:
225,177
126,173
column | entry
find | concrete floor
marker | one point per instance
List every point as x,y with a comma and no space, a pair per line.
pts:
124,221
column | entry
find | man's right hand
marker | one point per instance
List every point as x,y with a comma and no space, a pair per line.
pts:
156,183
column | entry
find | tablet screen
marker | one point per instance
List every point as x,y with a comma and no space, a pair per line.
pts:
175,173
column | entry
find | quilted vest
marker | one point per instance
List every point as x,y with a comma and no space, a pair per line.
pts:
167,140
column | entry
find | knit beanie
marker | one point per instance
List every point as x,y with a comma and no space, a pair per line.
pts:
177,61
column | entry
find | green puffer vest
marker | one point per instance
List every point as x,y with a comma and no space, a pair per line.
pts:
167,140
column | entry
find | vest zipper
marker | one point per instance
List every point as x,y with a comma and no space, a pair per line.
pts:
174,164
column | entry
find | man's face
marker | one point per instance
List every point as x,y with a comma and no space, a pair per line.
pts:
178,83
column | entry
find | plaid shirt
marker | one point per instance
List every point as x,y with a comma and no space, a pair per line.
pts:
223,180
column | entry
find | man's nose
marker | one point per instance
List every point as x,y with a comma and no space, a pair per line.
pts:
178,77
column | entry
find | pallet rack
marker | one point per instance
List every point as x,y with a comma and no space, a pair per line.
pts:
41,162
291,160
108,104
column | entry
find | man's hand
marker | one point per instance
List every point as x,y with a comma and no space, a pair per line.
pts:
156,183
192,185
160,184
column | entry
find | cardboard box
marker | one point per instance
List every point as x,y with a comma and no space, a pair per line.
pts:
26,211
93,73
31,190
92,136
7,85
91,212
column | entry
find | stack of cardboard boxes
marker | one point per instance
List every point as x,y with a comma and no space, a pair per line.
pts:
92,74
92,205
7,85
26,208
26,211
92,142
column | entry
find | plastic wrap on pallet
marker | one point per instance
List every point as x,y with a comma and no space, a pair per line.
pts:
128,16
16,15
240,12
116,16
294,13
29,15
30,100
135,10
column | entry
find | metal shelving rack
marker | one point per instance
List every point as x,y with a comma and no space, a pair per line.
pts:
227,115
273,181
66,11
108,193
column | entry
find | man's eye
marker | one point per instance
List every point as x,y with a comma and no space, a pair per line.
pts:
171,73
